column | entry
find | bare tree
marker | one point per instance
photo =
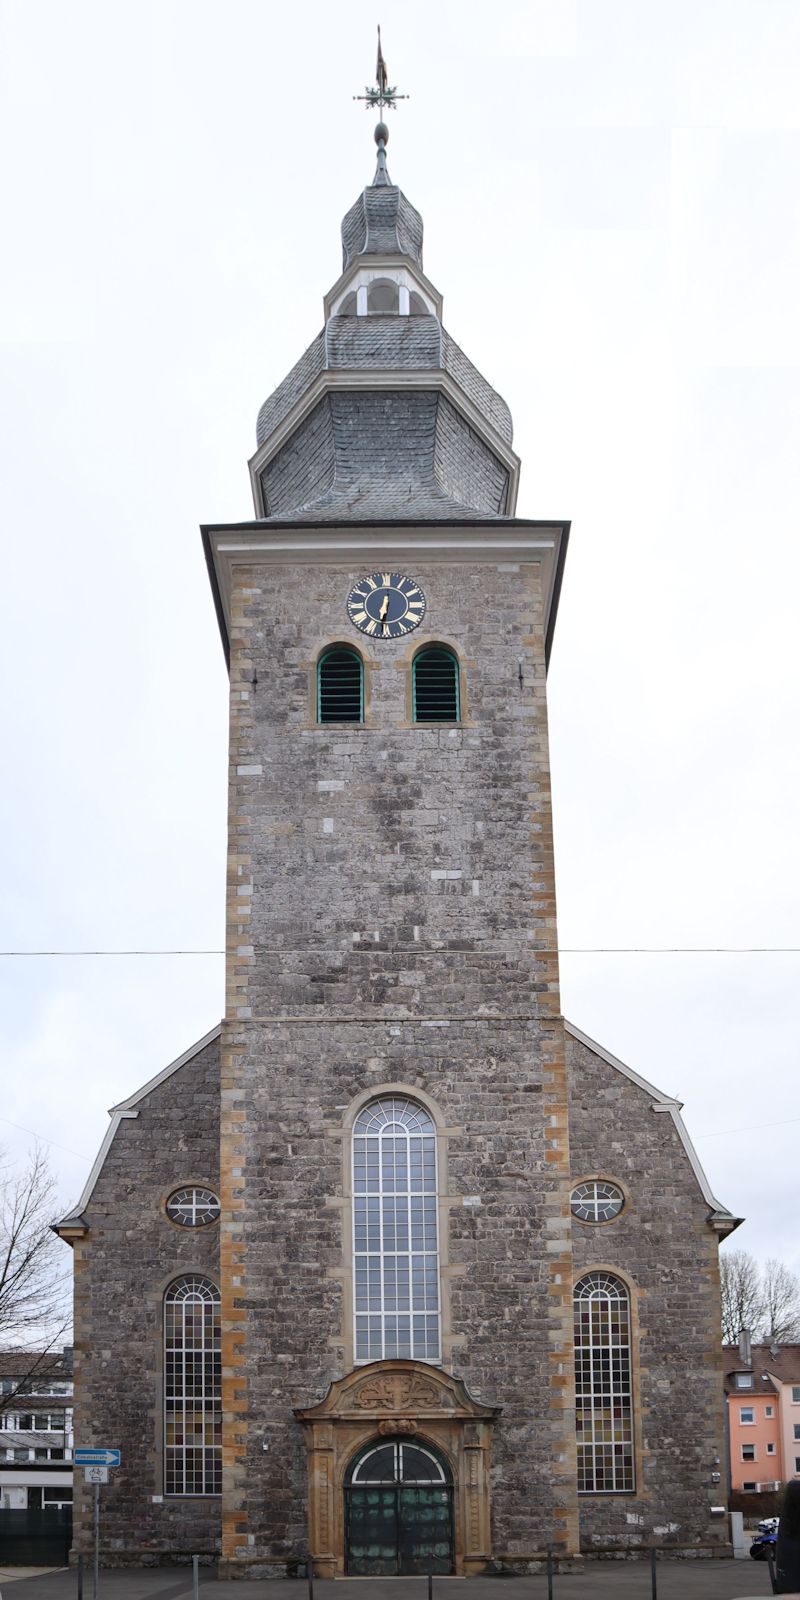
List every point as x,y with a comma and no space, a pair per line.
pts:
34,1278
780,1298
742,1297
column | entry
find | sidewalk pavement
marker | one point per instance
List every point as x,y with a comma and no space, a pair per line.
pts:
601,1580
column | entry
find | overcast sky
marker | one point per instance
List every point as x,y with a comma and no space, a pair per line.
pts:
609,189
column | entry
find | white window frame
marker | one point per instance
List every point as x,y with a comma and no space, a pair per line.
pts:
744,1380
596,1298
769,1411
193,1205
192,1421
746,1449
796,1394
396,1286
770,1449
747,1416
595,1197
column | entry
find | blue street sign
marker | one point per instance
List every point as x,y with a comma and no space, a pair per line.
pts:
96,1458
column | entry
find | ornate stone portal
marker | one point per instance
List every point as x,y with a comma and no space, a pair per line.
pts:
391,1399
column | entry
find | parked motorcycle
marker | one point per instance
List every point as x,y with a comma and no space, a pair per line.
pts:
765,1540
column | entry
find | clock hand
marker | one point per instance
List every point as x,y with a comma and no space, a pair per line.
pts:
383,611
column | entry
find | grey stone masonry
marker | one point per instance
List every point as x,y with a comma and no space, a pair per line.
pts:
122,1268
393,884
665,1250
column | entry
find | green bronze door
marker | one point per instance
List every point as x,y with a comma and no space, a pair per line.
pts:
399,1511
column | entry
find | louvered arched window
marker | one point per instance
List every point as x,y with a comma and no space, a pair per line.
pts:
340,686
603,1392
192,1388
435,686
395,1232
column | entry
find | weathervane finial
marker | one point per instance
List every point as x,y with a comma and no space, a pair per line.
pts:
384,93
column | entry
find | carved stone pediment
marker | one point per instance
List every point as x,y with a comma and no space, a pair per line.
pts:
387,1399
396,1389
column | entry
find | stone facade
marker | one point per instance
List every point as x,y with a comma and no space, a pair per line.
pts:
126,1253
665,1251
391,928
392,921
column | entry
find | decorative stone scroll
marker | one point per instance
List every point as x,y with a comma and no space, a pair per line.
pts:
398,1399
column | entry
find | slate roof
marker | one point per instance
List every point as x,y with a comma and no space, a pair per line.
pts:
382,222
400,450
378,343
363,454
385,502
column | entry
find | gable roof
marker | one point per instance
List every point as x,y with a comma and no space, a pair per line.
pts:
720,1218
767,1370
128,1108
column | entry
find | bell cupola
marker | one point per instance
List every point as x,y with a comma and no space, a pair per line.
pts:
384,418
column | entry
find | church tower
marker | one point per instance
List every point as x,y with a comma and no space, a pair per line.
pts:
415,1276
394,1136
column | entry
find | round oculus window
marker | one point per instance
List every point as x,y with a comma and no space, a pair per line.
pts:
596,1201
192,1207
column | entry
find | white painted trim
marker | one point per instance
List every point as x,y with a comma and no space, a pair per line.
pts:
354,544
721,1217
377,265
333,379
127,1108
367,275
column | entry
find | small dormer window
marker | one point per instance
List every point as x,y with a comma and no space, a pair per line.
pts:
383,297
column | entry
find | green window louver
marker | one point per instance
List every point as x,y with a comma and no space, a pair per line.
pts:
435,686
340,686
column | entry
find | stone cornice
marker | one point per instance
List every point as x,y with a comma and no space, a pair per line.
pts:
334,379
266,544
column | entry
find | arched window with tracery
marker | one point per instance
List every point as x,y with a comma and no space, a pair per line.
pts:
603,1391
192,1388
395,1232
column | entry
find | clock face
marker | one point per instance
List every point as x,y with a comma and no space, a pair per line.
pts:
386,605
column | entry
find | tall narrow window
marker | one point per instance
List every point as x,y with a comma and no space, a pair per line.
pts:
340,686
603,1396
435,685
192,1385
395,1233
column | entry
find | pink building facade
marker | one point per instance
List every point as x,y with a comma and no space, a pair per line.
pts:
762,1386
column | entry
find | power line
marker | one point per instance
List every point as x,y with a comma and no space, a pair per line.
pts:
677,950
112,952
750,1127
44,1139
